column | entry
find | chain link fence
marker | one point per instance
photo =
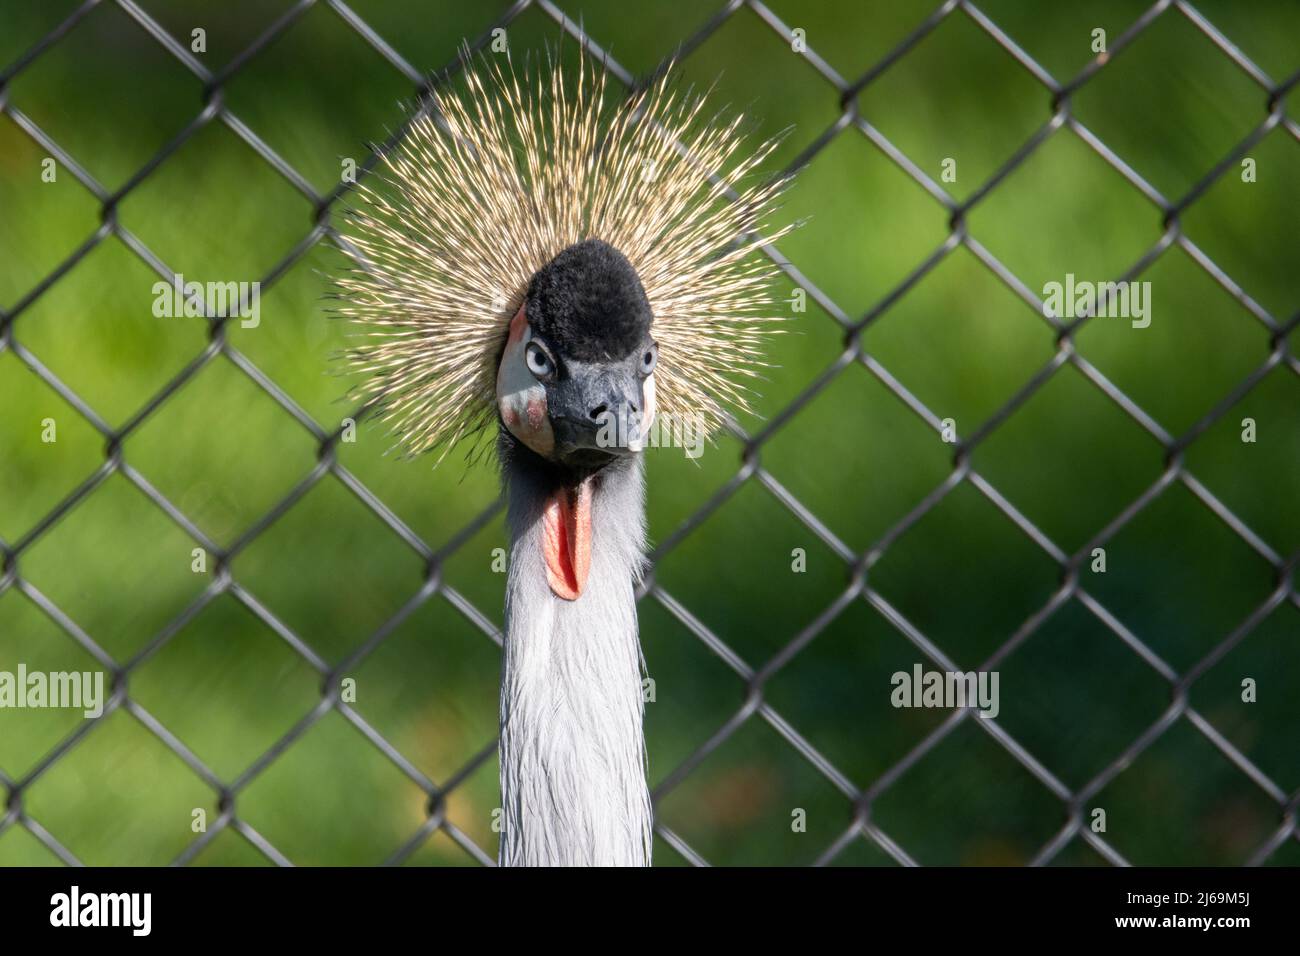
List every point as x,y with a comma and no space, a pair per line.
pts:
859,796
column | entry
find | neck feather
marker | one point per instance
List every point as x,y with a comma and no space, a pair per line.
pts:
573,764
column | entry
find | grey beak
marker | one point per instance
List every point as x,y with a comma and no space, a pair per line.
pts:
598,411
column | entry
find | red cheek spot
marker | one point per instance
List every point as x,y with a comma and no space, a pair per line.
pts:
536,413
518,326
512,417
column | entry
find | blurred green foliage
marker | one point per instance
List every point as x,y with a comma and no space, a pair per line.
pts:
1069,459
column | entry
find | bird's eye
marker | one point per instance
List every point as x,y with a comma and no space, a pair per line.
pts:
649,358
539,363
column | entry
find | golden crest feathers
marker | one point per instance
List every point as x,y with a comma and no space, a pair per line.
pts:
498,178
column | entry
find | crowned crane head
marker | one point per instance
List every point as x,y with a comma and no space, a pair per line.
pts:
535,256
576,379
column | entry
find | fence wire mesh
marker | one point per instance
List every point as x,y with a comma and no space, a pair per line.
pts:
859,795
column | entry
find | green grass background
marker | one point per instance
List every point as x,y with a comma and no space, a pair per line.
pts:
1070,460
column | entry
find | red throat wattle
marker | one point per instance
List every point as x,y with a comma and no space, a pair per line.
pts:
566,539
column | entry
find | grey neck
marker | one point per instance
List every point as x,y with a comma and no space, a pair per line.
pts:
573,763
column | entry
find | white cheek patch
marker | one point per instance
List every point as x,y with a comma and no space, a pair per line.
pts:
521,399
648,391
639,440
